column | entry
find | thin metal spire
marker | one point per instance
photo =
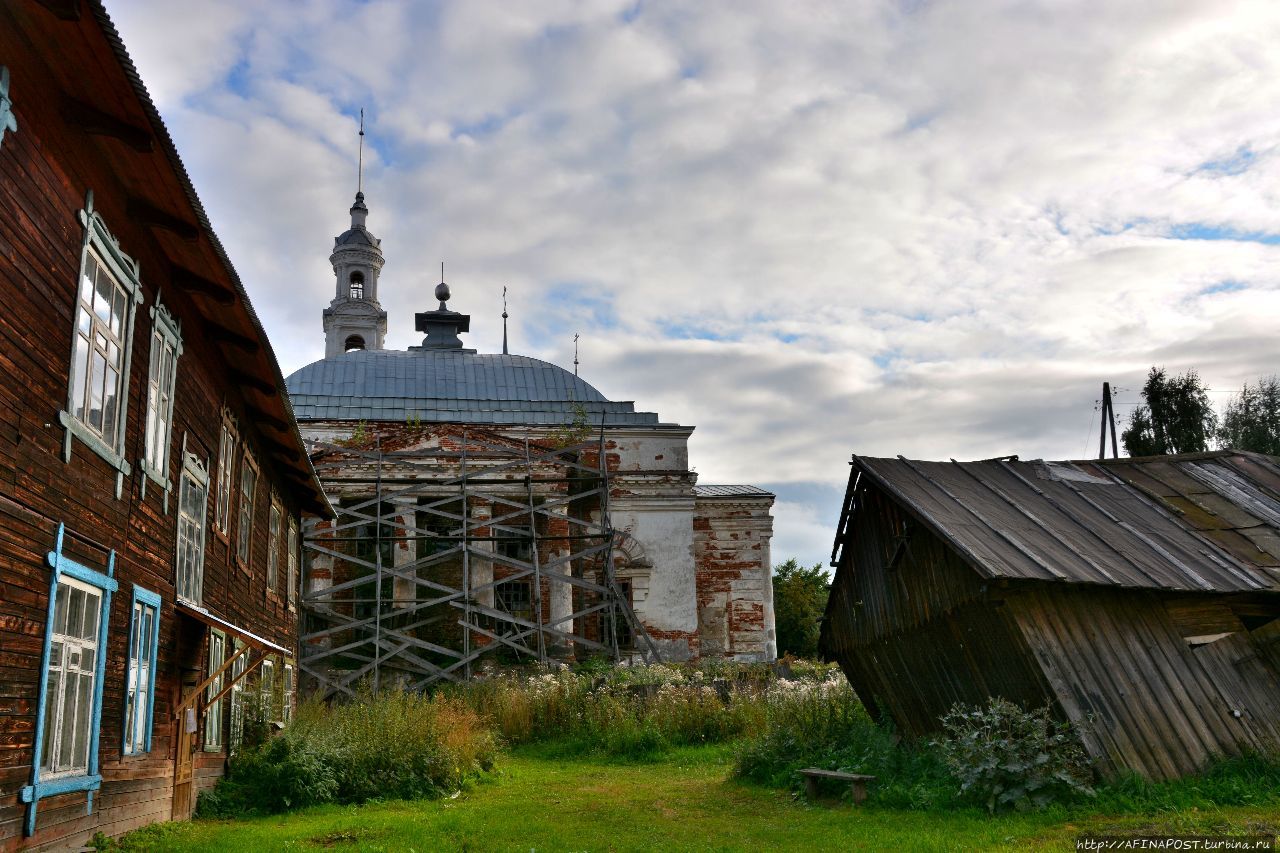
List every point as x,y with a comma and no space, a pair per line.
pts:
504,319
360,159
575,353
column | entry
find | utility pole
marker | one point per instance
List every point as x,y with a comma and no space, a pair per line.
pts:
1108,418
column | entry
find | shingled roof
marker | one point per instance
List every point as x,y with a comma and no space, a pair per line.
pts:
1199,522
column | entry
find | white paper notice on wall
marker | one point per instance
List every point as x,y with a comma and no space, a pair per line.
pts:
189,721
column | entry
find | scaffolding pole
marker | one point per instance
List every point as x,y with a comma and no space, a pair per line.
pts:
535,498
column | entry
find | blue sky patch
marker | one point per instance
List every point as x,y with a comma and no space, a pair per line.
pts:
1236,164
697,332
1225,286
1206,231
568,308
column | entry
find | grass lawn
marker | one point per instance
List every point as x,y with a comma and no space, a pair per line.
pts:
540,801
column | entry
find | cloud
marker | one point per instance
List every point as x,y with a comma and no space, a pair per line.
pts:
809,229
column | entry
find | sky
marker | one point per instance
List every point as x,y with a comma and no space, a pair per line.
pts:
809,229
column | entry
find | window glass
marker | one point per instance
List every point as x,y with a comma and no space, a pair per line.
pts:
98,360
292,580
248,483
140,677
273,546
193,497
286,708
226,467
69,691
267,689
237,696
213,714
165,348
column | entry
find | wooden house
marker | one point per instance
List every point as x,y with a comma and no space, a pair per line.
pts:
1138,598
152,478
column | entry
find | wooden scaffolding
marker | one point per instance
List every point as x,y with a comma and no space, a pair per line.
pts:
411,583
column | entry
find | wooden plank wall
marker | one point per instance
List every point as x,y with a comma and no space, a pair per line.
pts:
888,584
1147,701
966,655
45,169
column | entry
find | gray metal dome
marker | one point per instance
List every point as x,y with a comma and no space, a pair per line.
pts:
454,386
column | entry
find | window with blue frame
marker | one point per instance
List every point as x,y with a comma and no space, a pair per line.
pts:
71,676
140,678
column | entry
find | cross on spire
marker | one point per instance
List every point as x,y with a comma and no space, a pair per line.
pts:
360,157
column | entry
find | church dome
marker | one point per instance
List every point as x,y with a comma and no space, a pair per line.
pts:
355,237
451,386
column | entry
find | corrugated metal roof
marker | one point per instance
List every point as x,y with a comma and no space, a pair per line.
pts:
450,386
730,492
1205,522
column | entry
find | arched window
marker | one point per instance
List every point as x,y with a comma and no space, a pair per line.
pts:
354,342
357,288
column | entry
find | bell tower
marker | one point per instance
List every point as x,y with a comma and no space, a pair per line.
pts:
355,319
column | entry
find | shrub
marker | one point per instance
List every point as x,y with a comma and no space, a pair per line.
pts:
1012,758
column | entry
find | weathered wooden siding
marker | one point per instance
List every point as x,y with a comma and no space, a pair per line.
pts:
915,629
966,655
45,169
1143,698
889,582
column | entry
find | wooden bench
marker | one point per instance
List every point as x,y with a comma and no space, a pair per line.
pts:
857,782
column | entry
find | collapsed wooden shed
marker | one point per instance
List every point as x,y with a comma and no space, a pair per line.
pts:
1138,598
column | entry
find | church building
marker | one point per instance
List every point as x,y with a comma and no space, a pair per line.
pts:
480,497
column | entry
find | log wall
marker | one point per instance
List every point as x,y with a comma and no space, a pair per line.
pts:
46,167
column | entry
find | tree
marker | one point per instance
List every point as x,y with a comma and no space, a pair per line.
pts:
799,600
1176,416
1252,419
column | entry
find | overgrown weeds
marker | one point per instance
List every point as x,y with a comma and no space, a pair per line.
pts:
824,725
394,746
624,712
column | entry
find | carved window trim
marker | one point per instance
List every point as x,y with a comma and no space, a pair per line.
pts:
100,245
166,349
248,508
275,527
190,537
291,577
228,439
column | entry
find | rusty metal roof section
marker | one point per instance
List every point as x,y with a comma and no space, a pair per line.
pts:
1198,522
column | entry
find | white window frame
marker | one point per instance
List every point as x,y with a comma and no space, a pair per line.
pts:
244,529
190,537
238,666
274,523
228,438
291,594
267,689
104,250
213,713
140,672
287,689
162,380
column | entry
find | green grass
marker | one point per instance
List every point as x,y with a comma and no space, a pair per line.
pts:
684,800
